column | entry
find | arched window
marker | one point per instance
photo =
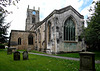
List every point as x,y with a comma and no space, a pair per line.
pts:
49,31
19,41
33,19
69,30
30,39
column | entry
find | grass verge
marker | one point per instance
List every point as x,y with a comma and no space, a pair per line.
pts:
73,55
34,51
76,55
38,63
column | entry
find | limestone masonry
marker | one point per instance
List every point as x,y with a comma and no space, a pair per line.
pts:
59,32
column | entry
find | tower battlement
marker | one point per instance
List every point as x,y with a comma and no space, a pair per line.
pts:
32,17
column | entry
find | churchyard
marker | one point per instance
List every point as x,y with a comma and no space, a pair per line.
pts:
76,55
37,63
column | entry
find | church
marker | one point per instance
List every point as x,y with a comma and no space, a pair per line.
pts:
59,32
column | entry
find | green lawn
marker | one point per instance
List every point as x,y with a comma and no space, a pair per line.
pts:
38,63
73,55
76,55
97,55
34,51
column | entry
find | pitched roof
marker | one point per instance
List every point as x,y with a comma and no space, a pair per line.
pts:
59,12
22,31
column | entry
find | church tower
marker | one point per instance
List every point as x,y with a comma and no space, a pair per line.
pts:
32,18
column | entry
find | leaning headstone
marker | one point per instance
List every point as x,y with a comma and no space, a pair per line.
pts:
25,55
87,61
16,55
9,51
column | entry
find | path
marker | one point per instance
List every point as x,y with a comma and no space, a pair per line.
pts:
69,58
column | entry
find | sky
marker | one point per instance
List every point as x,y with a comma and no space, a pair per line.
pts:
18,17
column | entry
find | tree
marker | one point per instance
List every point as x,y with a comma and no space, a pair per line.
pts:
3,13
3,27
92,32
6,3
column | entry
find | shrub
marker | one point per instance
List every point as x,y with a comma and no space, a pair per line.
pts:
2,46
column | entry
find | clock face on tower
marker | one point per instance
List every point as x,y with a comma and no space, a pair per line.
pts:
34,13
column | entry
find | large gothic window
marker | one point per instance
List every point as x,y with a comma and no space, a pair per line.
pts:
30,39
69,30
19,41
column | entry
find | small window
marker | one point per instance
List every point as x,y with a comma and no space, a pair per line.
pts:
39,37
19,41
30,40
57,29
79,38
58,40
33,19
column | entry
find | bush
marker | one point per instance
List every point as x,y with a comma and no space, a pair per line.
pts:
2,46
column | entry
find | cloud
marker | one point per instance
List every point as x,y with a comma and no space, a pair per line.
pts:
75,3
86,1
85,11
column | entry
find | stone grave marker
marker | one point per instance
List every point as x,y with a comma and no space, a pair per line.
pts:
29,49
25,55
13,49
9,51
87,61
16,55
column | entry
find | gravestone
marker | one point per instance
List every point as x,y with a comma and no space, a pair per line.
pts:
16,55
25,55
2,47
29,49
9,51
13,49
87,61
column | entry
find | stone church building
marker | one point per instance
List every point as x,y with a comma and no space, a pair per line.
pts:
59,32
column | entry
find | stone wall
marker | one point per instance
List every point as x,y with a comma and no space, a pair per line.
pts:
68,46
29,22
15,34
40,37
57,42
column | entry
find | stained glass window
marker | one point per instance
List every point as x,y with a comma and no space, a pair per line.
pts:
69,30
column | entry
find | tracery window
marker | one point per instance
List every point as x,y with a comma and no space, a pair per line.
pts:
30,39
19,41
69,30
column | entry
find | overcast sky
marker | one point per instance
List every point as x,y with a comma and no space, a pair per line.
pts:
18,17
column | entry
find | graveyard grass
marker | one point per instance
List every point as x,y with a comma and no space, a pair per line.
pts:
34,51
76,55
37,63
73,55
